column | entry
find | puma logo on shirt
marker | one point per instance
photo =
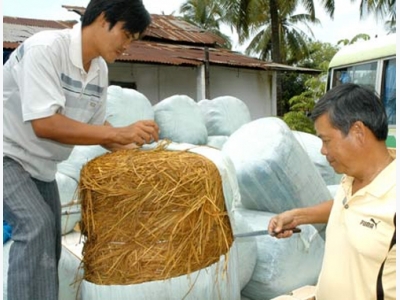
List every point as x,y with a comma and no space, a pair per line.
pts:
370,224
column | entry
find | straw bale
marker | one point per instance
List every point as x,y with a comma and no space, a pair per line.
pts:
151,215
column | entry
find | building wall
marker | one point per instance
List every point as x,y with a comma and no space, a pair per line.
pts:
158,82
254,87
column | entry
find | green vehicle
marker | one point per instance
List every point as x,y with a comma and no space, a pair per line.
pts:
370,63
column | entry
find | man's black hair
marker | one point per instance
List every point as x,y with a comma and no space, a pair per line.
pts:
347,103
131,12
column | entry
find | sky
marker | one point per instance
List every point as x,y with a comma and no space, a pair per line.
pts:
345,25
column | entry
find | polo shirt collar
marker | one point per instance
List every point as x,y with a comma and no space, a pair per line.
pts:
384,181
379,186
75,50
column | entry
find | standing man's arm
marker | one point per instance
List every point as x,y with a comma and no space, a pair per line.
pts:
292,218
64,130
117,146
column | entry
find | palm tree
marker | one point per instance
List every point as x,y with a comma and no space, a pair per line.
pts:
360,36
292,40
278,40
205,14
382,9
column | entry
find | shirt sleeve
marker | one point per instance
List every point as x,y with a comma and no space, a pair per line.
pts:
39,83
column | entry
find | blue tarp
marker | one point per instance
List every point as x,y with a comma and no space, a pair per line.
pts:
6,232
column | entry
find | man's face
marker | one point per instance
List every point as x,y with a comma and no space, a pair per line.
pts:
115,41
338,149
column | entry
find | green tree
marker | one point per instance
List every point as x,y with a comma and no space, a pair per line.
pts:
360,36
275,35
207,15
382,9
301,104
293,41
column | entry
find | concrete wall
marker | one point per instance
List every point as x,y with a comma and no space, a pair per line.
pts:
157,82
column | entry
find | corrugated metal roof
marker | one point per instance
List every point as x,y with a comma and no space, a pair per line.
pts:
38,23
170,28
151,52
16,30
20,32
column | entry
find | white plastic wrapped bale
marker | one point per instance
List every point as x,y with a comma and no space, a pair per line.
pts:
180,120
69,267
78,157
127,106
69,272
224,115
70,209
312,145
274,172
218,282
217,141
282,264
6,255
246,249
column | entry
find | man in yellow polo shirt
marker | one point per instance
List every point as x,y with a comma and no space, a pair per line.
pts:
360,251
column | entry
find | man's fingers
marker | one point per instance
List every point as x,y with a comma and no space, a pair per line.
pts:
146,131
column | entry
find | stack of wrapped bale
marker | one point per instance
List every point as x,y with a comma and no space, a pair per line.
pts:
275,174
157,227
313,145
180,120
223,116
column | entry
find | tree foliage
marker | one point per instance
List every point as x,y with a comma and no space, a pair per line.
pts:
272,27
207,15
301,104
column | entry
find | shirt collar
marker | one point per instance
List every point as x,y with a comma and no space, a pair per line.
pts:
381,183
384,181
75,50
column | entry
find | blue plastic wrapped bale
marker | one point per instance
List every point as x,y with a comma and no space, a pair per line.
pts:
224,115
274,172
312,145
70,207
217,141
78,157
247,248
6,232
127,106
282,265
180,120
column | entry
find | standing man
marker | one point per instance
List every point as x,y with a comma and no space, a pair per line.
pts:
54,97
360,250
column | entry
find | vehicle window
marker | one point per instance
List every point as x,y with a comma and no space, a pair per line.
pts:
364,74
389,89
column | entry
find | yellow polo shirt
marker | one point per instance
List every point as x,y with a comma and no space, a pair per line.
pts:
360,251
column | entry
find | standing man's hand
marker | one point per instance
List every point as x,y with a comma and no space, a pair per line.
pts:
144,132
134,135
278,224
